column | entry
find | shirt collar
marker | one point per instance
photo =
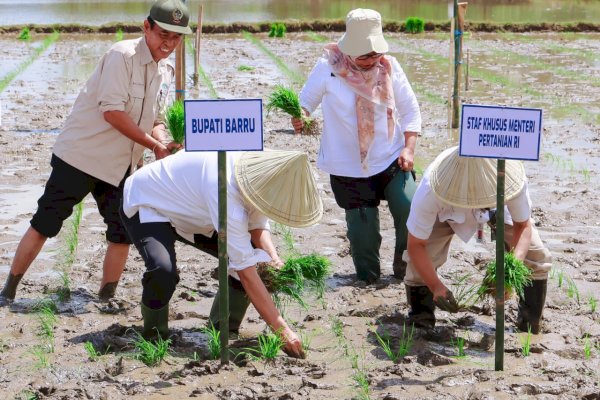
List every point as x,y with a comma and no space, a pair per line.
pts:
145,55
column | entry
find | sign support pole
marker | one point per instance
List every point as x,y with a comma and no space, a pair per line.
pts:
499,360
223,261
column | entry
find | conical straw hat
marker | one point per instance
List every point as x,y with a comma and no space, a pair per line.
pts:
280,184
471,182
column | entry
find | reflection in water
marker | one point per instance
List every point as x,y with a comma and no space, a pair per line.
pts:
101,12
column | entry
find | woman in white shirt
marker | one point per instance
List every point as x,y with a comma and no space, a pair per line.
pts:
371,120
455,196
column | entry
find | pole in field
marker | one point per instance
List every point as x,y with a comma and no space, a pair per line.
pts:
460,10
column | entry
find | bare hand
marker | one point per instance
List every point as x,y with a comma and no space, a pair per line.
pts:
293,345
446,301
406,159
298,124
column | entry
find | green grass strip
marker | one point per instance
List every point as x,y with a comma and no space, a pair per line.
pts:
201,73
315,37
4,82
295,76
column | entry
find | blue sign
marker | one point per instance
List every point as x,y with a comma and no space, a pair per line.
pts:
223,125
500,132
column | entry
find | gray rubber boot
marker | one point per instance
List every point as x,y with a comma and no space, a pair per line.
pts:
422,308
365,239
531,307
10,289
156,322
238,305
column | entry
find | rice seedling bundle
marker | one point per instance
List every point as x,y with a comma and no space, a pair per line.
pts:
516,277
175,120
286,99
295,276
415,25
278,29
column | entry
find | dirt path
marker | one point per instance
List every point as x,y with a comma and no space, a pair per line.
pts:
344,352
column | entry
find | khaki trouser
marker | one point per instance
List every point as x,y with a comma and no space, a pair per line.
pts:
538,258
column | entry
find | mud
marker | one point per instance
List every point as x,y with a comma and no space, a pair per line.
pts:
564,187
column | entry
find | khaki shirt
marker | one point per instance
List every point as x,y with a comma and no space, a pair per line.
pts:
126,79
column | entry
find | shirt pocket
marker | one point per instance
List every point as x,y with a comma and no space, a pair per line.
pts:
135,104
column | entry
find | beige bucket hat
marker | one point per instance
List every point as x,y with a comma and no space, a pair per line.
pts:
280,184
363,33
469,182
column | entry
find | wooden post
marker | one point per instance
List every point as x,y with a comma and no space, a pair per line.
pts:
451,72
499,348
197,47
180,70
459,15
467,71
223,261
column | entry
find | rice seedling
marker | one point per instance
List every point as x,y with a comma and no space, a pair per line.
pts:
68,252
24,34
93,354
516,277
151,352
404,344
269,345
306,338
295,276
175,121
286,99
214,341
560,278
44,303
572,290
21,67
587,346
361,380
593,303
293,75
119,35
47,322
288,239
465,293
278,29
41,357
525,341
414,25
337,327
242,68
459,346
27,395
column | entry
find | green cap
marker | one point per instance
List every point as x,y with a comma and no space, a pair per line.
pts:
171,15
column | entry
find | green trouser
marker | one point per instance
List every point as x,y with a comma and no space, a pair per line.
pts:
238,305
156,322
365,239
399,193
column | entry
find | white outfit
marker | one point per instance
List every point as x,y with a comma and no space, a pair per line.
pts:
183,189
426,208
339,153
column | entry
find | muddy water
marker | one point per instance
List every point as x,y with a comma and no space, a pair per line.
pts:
100,12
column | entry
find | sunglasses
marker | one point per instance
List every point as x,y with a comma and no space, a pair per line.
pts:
366,57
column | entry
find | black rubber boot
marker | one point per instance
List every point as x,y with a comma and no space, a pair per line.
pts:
10,289
422,308
108,291
531,306
238,305
399,267
365,239
156,322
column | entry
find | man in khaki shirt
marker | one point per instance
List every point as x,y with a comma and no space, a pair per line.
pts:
104,138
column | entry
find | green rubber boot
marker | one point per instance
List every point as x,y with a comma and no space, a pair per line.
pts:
156,322
238,305
365,239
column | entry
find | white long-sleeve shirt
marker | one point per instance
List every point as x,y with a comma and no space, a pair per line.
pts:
339,152
183,189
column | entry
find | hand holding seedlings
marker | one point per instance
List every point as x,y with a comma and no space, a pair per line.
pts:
298,123
446,302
